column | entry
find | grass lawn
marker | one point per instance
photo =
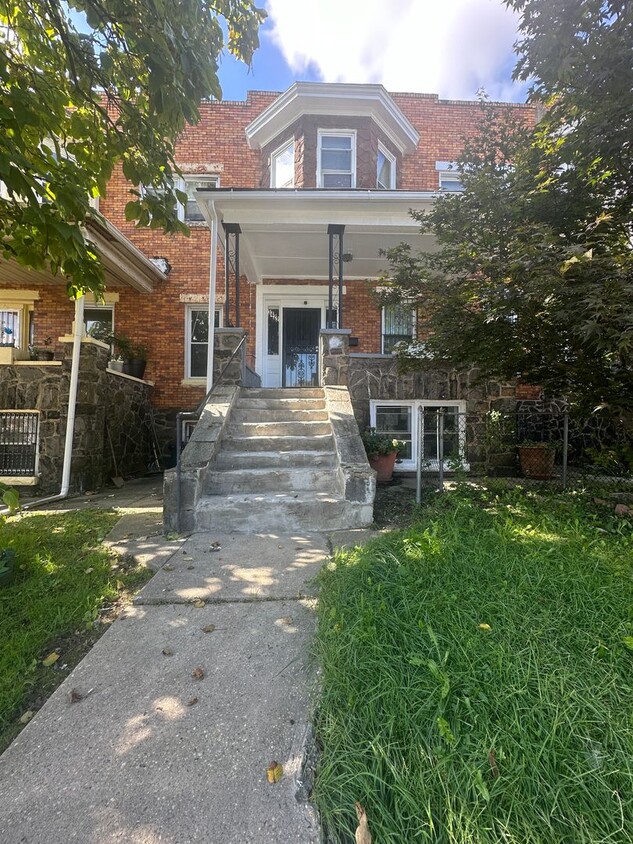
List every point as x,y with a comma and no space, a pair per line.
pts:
64,594
477,676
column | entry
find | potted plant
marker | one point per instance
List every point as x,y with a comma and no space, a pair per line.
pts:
382,453
537,459
38,353
136,362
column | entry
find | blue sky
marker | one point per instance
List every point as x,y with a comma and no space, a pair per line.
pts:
451,49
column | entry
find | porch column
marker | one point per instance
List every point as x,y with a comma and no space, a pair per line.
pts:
232,233
335,238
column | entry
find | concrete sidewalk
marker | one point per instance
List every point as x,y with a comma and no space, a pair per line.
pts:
186,700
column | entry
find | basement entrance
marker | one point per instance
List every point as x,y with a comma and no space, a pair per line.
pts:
300,355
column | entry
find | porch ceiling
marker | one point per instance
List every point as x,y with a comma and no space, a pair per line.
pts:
284,233
124,264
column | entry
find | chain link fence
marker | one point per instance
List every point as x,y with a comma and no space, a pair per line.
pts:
532,446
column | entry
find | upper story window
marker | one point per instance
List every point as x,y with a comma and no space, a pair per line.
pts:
385,169
336,166
450,179
282,166
191,211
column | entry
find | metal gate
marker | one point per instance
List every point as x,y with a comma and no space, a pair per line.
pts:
301,328
19,432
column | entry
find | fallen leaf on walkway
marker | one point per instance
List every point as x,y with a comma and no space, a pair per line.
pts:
26,717
286,619
215,546
363,835
167,567
199,603
208,628
51,659
74,696
192,701
190,568
274,772
167,652
197,673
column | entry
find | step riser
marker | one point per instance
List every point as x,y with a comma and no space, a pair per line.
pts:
262,415
270,517
280,429
272,480
277,444
270,460
286,405
282,393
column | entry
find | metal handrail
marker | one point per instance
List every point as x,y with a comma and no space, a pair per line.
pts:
183,415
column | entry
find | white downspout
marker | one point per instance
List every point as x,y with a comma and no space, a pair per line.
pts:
212,280
72,406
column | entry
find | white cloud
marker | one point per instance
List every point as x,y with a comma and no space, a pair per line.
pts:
450,48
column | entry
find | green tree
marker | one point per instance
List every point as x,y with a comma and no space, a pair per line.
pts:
526,280
579,56
90,84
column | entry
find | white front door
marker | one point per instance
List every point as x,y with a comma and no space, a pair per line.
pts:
279,323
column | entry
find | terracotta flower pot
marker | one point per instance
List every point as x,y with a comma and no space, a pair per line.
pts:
537,461
383,464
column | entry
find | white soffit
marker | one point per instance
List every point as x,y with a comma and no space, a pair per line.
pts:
335,99
284,233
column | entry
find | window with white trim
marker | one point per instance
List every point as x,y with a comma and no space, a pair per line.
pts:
282,166
197,340
451,181
336,167
397,325
190,212
400,420
385,169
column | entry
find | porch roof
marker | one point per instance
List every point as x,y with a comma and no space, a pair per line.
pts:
284,232
124,264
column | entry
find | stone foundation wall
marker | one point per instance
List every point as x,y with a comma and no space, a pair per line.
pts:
377,377
103,398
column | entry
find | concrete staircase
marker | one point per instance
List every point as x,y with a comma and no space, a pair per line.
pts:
277,468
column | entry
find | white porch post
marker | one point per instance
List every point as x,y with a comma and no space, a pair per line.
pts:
212,278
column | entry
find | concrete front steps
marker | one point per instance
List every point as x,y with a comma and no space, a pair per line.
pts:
277,469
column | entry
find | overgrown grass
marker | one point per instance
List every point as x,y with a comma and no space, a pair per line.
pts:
65,578
477,676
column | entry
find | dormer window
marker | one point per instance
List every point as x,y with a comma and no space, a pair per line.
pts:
336,166
282,166
385,169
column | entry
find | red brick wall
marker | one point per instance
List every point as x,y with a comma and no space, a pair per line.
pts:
218,144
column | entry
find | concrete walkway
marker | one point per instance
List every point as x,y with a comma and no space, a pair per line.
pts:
187,698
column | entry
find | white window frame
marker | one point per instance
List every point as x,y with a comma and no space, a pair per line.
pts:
273,158
383,325
210,180
102,306
415,405
336,133
200,306
453,176
391,158
21,302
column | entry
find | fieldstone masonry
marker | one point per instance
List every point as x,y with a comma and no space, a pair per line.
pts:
103,398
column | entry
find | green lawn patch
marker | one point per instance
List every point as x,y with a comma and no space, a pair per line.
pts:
477,676
66,590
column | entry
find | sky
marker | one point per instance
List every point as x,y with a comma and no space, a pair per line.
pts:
452,48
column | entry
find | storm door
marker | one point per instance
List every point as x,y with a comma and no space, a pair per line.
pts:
300,362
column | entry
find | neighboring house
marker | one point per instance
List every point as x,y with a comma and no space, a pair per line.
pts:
305,188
